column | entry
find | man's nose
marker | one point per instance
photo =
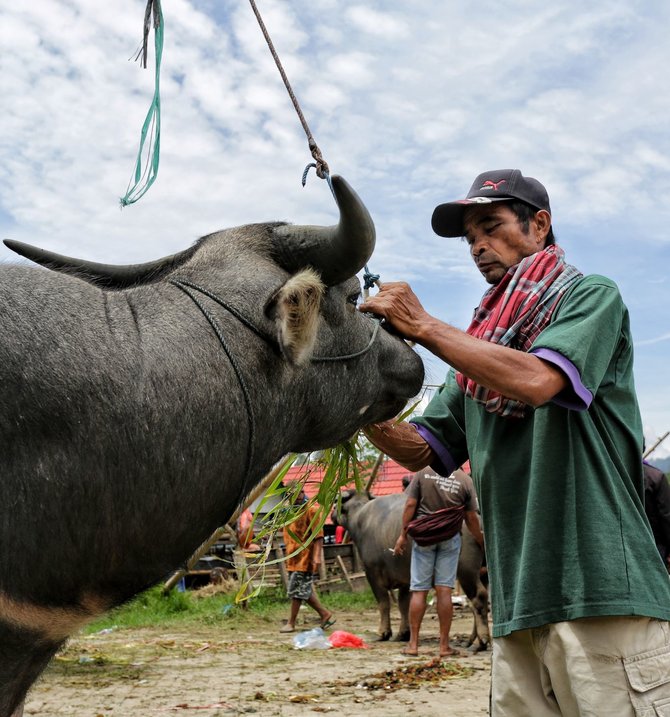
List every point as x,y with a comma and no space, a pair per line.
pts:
478,245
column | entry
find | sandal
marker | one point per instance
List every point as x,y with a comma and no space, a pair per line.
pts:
287,628
328,622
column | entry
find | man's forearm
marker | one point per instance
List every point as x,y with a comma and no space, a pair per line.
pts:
408,514
515,374
402,442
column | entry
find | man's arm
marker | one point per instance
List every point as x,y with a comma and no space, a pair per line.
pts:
472,521
407,517
402,442
515,374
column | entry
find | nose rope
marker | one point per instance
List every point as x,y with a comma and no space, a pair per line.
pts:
320,359
185,284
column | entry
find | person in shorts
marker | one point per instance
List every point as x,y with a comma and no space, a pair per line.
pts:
302,565
434,566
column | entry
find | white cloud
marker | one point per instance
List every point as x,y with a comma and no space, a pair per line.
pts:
655,340
375,22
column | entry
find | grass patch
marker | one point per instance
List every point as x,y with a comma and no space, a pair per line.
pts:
152,608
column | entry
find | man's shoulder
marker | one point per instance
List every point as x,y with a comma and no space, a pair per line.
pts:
589,282
591,295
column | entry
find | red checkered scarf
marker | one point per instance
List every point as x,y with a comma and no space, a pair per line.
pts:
514,312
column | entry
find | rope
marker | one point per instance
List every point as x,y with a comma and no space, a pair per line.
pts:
356,354
320,164
369,279
185,285
142,179
246,395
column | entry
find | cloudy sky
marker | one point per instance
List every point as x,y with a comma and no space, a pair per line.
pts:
408,101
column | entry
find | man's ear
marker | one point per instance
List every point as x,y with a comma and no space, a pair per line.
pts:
295,309
542,221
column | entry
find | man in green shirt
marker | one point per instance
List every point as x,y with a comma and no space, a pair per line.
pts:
541,400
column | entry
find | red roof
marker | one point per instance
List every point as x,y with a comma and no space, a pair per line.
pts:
388,480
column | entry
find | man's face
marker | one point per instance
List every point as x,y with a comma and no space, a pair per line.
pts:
497,240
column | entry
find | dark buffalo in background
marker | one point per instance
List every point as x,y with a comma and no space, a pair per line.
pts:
374,526
139,404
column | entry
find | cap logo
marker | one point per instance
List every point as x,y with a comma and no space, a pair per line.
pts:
475,200
493,185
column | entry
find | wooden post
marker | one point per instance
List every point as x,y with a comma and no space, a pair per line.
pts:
242,570
323,573
283,572
345,573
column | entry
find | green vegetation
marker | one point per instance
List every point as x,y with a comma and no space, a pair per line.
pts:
348,464
152,608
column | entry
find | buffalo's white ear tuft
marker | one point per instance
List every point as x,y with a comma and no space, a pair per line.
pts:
297,308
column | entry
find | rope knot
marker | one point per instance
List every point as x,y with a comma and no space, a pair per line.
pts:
322,169
369,279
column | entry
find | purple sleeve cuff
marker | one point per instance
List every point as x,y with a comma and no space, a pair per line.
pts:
447,463
576,397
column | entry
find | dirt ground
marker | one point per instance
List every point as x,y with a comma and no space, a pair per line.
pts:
245,666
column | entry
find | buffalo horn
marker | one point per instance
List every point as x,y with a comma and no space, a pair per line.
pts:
336,252
106,275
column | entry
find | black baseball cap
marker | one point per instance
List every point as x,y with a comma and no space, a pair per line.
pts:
498,185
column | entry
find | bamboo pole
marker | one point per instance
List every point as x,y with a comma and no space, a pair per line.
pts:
375,470
204,547
657,444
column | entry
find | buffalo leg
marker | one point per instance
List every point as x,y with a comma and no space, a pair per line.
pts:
470,563
480,610
403,607
383,598
23,657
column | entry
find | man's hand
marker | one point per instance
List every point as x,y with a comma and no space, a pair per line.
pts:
400,544
398,304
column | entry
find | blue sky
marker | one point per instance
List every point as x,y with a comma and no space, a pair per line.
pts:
408,101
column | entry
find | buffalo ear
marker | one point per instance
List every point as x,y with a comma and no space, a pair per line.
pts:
296,310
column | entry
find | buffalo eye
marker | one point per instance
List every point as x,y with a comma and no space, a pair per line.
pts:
354,298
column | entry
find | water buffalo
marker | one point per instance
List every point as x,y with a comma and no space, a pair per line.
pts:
374,526
139,404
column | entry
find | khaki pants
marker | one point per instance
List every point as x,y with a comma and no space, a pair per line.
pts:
593,667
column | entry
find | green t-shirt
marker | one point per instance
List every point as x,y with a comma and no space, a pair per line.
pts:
561,489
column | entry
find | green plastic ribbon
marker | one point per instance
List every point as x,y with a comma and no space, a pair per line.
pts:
143,178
